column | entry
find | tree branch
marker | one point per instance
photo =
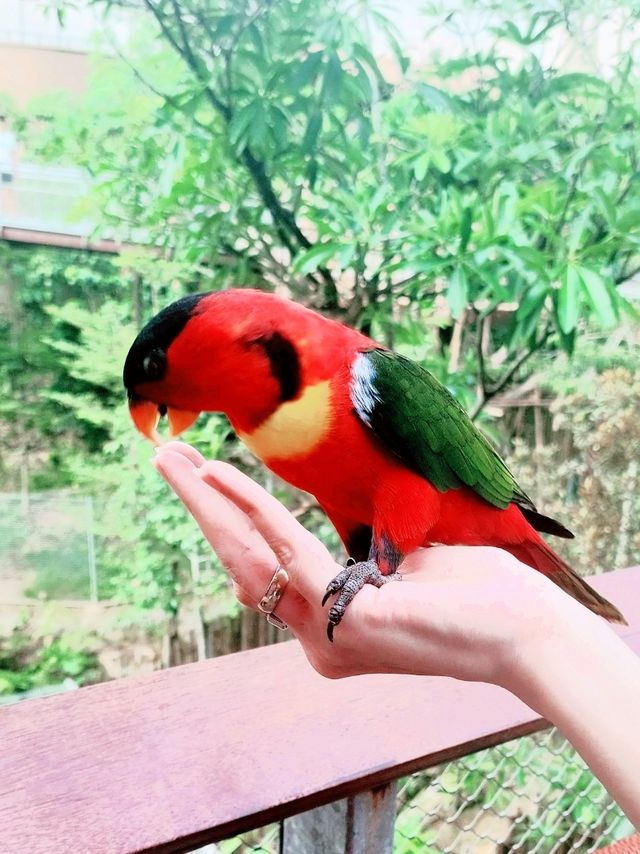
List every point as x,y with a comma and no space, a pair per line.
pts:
168,98
503,382
573,186
482,370
625,275
284,219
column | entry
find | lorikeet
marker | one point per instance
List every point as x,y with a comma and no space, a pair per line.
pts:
388,452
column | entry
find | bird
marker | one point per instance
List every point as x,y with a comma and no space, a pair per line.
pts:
388,452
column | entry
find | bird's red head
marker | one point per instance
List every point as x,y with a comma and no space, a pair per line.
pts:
235,351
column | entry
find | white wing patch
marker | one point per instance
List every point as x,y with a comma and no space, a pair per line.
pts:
363,391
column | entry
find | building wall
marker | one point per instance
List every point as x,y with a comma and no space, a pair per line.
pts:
39,55
26,71
38,196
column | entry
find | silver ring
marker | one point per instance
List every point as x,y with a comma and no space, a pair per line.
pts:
272,596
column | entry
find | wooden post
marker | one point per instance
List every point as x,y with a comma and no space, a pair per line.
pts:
362,824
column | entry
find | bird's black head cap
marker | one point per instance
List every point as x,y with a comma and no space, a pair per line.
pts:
146,360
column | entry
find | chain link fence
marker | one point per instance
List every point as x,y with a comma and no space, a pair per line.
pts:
47,547
532,795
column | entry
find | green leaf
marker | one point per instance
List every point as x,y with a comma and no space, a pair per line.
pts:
393,36
508,30
577,159
365,56
279,124
312,173
332,79
578,228
465,228
315,257
606,205
438,100
457,292
346,255
421,166
629,220
241,123
504,204
599,295
313,129
579,81
569,300
257,130
528,313
256,38
441,160
307,71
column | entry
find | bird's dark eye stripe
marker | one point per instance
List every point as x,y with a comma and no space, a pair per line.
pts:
284,363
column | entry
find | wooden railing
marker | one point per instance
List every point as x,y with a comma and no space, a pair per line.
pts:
195,754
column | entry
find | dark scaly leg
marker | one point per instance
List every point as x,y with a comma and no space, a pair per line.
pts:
355,575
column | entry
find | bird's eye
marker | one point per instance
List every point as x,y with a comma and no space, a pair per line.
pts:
153,365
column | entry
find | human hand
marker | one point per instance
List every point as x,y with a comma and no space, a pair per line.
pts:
464,612
471,613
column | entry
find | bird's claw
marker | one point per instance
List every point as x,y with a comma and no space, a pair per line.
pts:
336,584
347,583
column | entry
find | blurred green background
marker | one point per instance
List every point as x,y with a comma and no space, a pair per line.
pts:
458,180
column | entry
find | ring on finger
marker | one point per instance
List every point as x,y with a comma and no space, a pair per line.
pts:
272,596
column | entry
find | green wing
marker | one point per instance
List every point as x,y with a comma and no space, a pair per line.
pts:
418,419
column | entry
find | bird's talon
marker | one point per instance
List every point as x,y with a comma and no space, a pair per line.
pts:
334,618
347,584
332,588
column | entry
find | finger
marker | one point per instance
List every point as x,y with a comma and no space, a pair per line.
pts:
307,561
187,451
236,542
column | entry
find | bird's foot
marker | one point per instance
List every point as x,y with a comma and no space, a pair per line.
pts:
347,583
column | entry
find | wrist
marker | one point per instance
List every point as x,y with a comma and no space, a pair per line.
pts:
552,652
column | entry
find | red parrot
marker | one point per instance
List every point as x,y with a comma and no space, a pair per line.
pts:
388,452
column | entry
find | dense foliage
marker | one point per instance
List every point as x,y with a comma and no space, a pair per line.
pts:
584,467
26,664
471,210
261,142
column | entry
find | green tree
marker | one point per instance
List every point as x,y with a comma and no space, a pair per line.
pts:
261,143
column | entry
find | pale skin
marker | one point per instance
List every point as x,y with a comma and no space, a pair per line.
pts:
475,614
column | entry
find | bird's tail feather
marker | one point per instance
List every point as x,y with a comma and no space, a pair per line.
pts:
544,559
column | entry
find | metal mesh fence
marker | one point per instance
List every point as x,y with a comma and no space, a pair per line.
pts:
47,546
533,795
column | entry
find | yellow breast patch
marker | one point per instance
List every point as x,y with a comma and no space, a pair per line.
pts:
295,428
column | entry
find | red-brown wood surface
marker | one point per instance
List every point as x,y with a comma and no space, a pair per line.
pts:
193,754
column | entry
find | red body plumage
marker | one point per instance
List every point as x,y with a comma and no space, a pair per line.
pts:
355,478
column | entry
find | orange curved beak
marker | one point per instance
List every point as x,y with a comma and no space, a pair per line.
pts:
145,415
